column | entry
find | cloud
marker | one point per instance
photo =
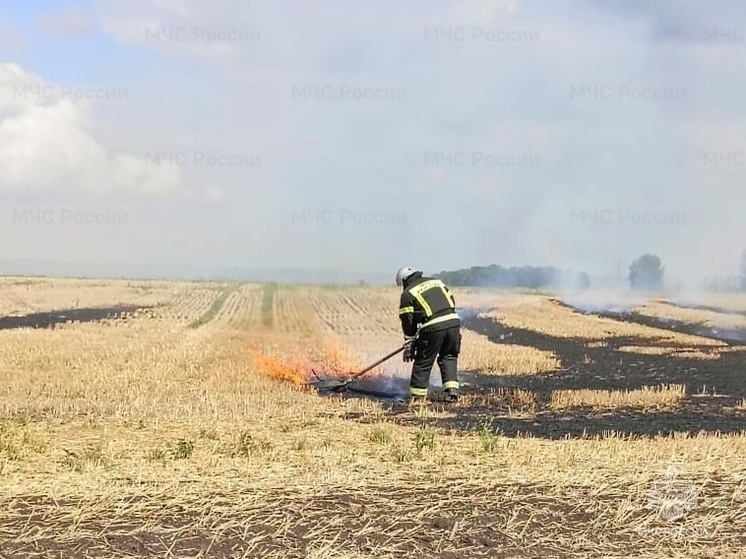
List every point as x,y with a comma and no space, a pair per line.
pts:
45,143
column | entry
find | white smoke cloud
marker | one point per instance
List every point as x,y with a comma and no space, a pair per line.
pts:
217,77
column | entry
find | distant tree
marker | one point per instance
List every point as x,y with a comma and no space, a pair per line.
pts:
743,271
646,273
524,277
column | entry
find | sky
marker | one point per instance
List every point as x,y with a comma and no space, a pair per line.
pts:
368,135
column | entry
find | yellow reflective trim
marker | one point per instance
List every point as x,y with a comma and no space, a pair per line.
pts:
405,310
425,306
440,319
417,391
450,384
418,290
449,296
424,286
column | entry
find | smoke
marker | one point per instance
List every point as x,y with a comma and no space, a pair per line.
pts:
602,302
577,134
394,387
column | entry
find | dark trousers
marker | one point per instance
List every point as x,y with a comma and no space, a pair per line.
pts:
443,345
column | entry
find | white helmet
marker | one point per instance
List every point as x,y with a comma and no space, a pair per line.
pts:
403,274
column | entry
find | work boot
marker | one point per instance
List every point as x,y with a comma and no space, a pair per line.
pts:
452,395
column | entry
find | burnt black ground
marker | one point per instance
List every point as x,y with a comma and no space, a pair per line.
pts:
53,318
730,336
714,386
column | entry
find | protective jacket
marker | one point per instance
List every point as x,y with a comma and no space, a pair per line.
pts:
428,303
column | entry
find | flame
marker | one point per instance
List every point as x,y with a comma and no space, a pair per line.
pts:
296,371
334,361
338,360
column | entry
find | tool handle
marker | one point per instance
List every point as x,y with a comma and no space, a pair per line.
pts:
381,360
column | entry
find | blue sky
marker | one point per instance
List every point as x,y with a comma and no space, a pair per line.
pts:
575,133
82,58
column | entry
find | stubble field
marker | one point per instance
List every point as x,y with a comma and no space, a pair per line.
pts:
170,419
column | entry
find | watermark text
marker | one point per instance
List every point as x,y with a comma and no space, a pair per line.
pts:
625,217
625,92
723,35
724,159
477,34
200,34
480,159
347,217
346,92
46,92
49,216
203,159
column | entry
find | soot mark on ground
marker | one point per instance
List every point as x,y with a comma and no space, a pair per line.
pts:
730,336
53,318
606,367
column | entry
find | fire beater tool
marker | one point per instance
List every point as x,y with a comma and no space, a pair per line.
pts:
336,386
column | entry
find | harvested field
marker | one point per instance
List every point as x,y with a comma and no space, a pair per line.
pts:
170,419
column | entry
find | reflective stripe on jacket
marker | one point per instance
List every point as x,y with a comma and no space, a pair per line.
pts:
427,303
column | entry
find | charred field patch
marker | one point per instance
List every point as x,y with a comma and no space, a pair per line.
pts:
51,319
523,404
730,336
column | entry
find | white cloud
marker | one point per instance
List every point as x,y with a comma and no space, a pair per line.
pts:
45,143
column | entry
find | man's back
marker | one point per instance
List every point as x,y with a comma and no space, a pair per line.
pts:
427,302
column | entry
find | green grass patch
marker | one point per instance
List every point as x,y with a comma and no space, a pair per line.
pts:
268,303
215,307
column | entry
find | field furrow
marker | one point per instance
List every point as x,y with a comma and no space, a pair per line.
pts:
251,308
189,307
230,308
237,310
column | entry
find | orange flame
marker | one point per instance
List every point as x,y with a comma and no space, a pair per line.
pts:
338,360
332,362
296,372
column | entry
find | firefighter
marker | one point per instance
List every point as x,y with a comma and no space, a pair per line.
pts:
432,330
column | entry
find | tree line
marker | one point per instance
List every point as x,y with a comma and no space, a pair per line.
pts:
528,277
646,273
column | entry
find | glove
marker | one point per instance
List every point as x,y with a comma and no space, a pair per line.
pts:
408,349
